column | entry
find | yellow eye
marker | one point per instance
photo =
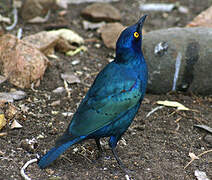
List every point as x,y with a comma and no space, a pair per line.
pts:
136,35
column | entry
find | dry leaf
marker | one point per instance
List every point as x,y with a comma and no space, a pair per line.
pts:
2,121
76,51
67,34
15,125
193,156
3,134
178,105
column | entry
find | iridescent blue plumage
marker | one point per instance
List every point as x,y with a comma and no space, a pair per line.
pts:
113,100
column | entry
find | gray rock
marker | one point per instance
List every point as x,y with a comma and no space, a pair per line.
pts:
179,59
101,12
208,140
89,1
34,8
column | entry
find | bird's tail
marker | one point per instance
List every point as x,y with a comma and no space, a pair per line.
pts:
53,153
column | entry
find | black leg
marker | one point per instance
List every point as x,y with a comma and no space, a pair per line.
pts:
113,142
99,145
101,154
121,165
118,160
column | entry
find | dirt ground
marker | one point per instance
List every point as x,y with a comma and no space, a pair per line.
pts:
154,147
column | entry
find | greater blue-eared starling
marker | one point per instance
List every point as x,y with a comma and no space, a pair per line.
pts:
112,101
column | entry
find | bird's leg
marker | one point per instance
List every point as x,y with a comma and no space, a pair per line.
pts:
113,142
121,165
99,145
99,148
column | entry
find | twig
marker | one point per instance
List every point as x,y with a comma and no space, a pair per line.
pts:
206,128
67,89
85,157
172,113
15,17
155,109
187,117
25,166
66,158
178,127
178,119
205,152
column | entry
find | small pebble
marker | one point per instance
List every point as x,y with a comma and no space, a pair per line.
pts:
75,62
55,103
59,90
97,45
67,114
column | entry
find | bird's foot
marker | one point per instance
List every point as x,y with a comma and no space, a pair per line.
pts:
125,169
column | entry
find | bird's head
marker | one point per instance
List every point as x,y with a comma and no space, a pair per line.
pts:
129,42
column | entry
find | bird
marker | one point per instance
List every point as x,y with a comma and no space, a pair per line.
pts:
111,103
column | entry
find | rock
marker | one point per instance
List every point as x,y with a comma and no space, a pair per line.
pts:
101,12
43,41
200,175
204,19
208,140
183,62
34,8
61,40
110,33
29,145
88,1
20,62
11,96
70,78
88,25
59,90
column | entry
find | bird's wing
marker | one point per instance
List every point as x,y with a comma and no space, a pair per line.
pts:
111,95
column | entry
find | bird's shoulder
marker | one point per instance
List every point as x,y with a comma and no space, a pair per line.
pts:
113,79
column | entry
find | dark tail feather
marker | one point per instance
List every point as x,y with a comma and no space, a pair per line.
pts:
53,153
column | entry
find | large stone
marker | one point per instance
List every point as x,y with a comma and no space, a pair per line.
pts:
110,33
43,41
184,50
20,62
88,1
204,19
34,8
61,39
101,12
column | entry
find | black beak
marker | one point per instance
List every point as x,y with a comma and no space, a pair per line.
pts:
141,22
